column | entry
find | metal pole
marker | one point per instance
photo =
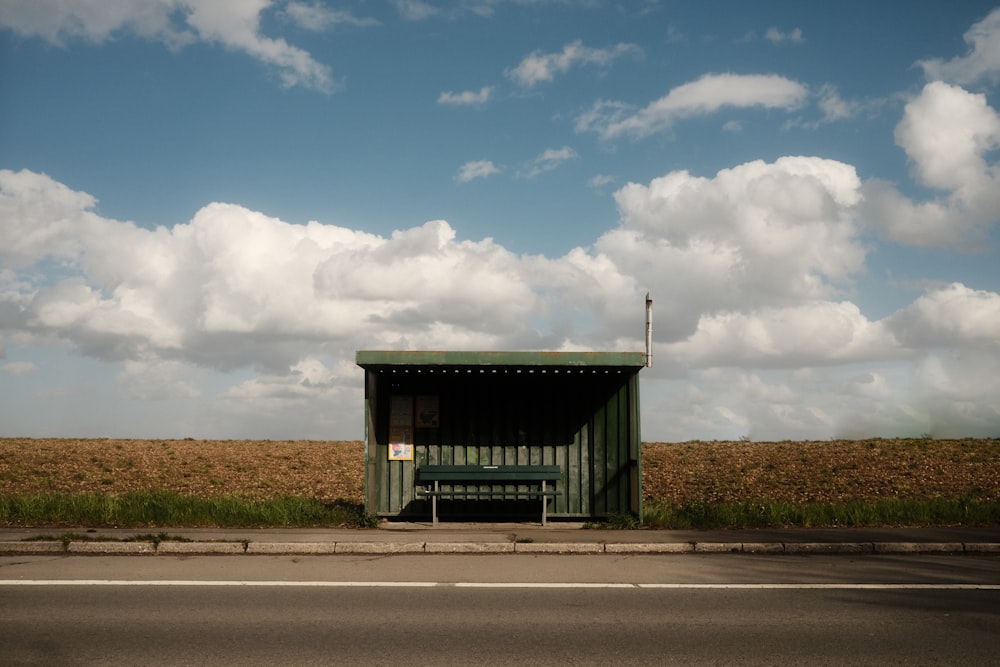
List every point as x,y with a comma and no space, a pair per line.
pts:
649,331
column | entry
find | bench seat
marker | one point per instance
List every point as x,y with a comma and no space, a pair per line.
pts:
502,475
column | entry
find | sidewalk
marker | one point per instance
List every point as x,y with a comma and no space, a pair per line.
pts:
497,538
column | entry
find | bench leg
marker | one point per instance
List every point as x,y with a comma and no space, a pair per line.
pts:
545,503
434,504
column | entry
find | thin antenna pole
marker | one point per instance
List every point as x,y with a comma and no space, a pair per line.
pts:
649,331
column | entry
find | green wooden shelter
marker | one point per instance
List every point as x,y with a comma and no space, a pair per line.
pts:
516,410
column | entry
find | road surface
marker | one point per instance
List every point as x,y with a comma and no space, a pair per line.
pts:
482,610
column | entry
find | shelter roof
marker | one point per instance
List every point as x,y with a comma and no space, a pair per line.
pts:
429,358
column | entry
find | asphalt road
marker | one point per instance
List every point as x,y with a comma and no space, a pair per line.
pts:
545,610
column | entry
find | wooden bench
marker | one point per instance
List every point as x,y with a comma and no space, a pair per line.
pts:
502,475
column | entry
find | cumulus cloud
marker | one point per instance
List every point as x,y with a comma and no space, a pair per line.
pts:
947,133
470,171
549,160
18,368
777,36
982,61
749,269
317,17
951,316
156,379
543,67
764,234
466,98
235,288
835,107
59,21
176,23
600,181
415,10
707,95
816,333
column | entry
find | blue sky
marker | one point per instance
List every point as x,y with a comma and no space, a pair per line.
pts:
207,206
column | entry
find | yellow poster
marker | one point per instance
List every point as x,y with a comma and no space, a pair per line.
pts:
401,444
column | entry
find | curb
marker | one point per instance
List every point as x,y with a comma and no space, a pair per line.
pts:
110,548
469,548
197,548
333,548
291,548
834,548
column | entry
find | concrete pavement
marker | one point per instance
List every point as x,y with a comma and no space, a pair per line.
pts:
495,538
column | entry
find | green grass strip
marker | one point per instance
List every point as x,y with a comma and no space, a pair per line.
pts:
143,509
766,514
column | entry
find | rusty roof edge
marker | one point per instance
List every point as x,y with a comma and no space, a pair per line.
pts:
494,358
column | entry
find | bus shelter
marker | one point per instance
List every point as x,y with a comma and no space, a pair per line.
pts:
502,434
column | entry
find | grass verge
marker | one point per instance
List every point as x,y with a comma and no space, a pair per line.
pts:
164,508
66,538
877,513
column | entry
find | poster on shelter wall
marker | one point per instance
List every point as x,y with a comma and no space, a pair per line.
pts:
401,411
428,411
400,444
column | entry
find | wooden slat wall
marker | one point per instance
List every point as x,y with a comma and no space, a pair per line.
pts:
583,420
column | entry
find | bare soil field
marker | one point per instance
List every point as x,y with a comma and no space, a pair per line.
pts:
676,473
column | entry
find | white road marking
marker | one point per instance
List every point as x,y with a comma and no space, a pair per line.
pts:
195,582
433,584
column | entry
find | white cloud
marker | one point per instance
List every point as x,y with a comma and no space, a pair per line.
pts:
40,217
982,61
156,379
748,268
415,10
235,288
317,17
707,95
600,180
234,25
837,108
947,133
776,36
542,67
771,233
815,333
18,368
59,21
467,98
549,160
948,317
470,171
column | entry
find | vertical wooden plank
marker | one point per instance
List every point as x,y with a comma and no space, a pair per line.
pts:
449,421
407,485
611,450
382,452
371,495
533,417
572,476
611,453
586,481
600,462
623,459
635,448
392,485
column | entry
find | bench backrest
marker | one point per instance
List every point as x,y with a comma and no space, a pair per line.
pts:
488,473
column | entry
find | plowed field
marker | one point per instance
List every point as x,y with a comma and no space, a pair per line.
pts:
673,472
